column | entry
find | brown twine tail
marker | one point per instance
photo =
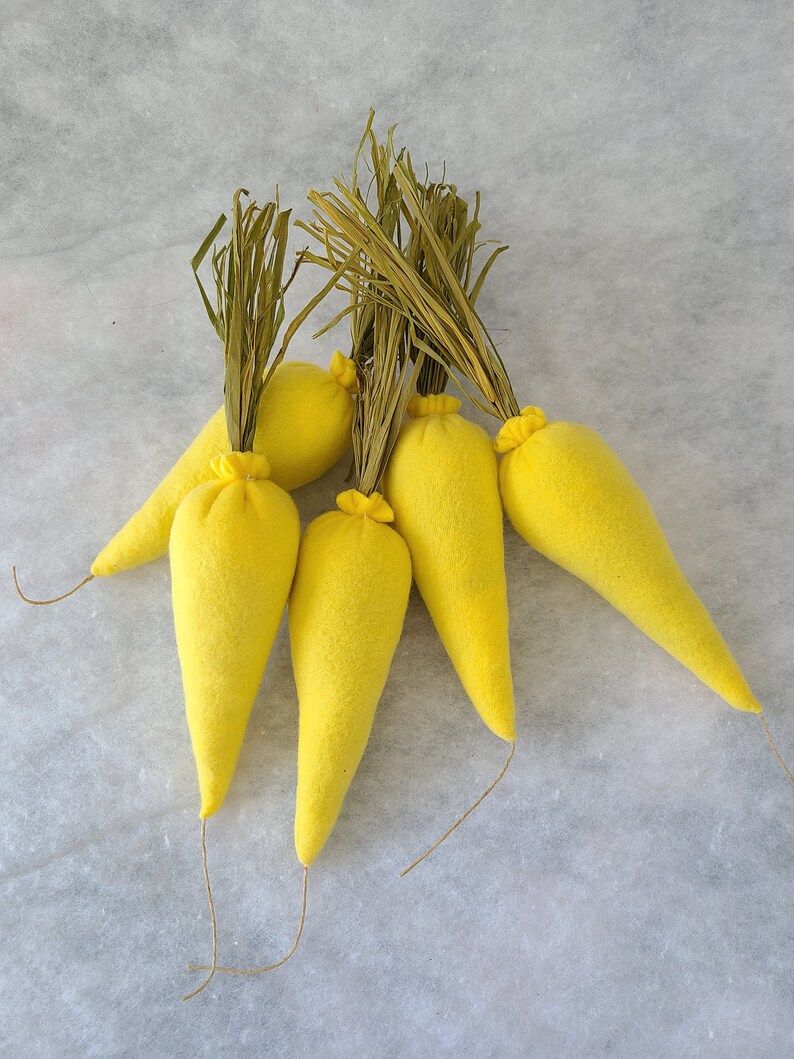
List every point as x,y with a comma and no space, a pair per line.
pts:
46,602
272,966
468,812
775,750
212,968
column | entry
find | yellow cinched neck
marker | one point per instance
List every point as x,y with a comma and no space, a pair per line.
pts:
434,404
374,507
343,370
236,465
519,428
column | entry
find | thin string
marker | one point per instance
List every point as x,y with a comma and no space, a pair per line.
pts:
468,812
272,966
46,602
775,750
212,968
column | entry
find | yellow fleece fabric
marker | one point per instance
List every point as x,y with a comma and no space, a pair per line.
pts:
234,545
303,428
442,483
571,498
346,612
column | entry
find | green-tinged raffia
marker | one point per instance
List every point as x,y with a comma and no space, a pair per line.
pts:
385,387
249,310
386,210
378,326
445,326
449,316
447,215
379,332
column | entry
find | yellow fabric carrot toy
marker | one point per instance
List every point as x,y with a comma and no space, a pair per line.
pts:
348,602
233,549
442,475
443,485
572,499
234,540
303,426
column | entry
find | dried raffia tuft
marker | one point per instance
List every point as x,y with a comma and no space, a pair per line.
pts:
382,361
442,321
447,215
378,327
384,392
248,273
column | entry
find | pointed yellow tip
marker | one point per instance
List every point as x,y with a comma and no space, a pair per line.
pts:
752,706
101,568
501,727
307,851
742,698
209,806
311,832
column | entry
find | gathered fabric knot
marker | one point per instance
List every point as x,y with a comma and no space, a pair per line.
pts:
374,507
343,370
236,465
433,404
517,429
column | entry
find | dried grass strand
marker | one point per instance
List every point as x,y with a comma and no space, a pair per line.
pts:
279,963
47,602
212,968
775,750
468,812
248,273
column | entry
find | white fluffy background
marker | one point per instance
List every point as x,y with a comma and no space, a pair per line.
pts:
627,891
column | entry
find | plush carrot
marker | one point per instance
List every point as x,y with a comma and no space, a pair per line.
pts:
234,540
348,602
233,549
303,425
442,483
572,499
